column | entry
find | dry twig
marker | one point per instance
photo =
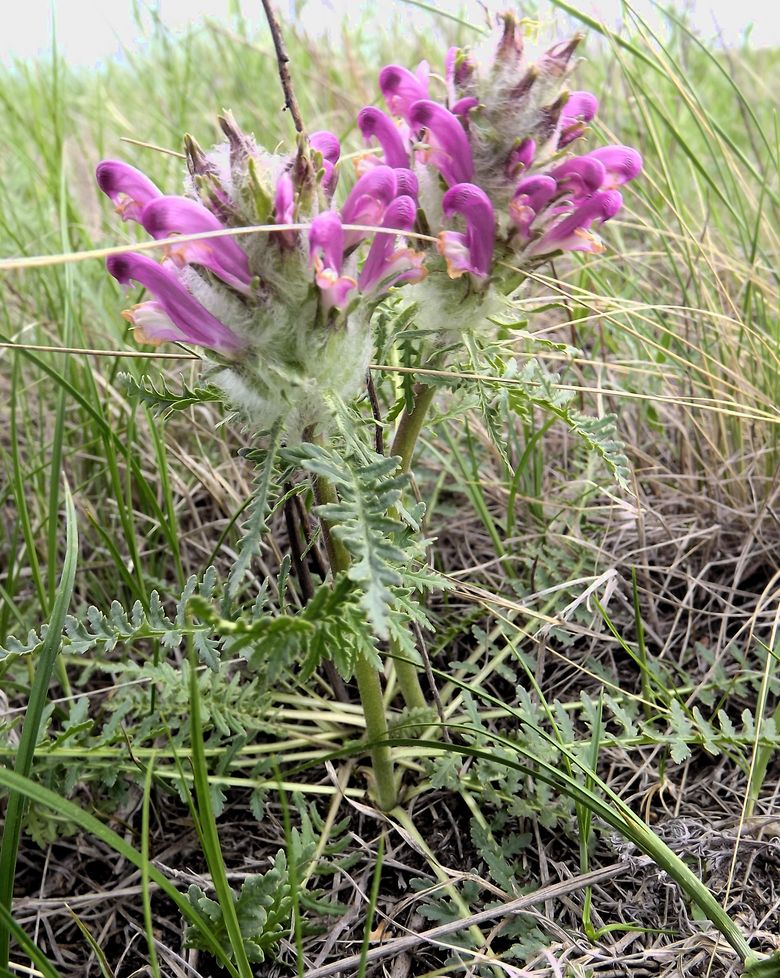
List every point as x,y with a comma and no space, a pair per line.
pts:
283,59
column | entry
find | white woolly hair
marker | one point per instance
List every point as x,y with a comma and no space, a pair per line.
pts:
219,300
335,366
452,306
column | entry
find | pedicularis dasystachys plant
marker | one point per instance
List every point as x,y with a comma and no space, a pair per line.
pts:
468,181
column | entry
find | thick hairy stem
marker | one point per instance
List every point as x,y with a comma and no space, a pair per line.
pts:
409,680
369,686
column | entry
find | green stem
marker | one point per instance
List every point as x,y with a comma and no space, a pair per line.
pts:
370,690
410,425
367,677
408,679
406,435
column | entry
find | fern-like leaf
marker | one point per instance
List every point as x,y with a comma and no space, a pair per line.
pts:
263,907
537,387
256,526
162,400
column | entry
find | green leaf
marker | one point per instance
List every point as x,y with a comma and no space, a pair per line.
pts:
681,733
765,968
256,527
535,386
263,908
162,399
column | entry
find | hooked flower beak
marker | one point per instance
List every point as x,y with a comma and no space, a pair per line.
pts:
621,163
401,88
374,123
449,149
128,189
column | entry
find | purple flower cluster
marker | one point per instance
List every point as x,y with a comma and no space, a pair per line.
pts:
486,170
497,143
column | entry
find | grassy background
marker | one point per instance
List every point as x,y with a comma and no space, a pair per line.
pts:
640,630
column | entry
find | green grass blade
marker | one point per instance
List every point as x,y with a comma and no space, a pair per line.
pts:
71,812
373,896
32,720
30,948
154,964
212,850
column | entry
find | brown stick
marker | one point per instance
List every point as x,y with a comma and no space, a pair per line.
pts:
555,890
379,441
282,60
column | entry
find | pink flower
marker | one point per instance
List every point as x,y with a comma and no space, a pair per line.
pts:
580,108
387,265
326,254
622,163
580,176
284,208
376,124
531,196
573,232
368,200
473,251
402,89
448,145
166,216
173,314
328,146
